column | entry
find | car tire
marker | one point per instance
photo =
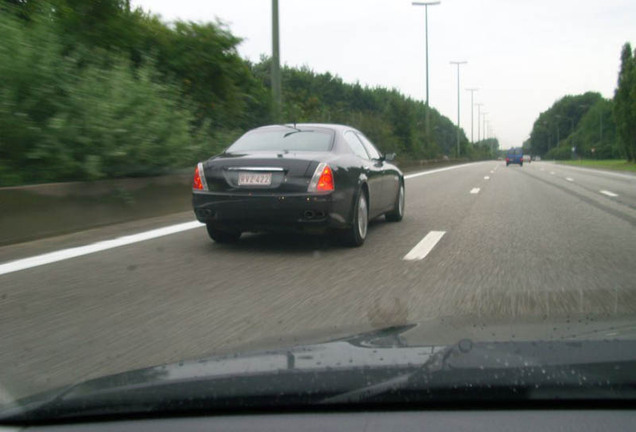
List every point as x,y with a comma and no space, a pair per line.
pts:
222,236
507,164
397,213
357,233
521,164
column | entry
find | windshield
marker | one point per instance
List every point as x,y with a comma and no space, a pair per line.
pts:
201,200
283,140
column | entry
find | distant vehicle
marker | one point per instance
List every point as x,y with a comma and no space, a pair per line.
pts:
307,177
514,156
536,158
527,158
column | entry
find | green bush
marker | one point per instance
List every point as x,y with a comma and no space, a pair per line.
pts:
87,115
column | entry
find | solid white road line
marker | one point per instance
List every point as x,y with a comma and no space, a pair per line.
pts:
425,245
608,193
600,171
474,190
65,254
423,173
569,179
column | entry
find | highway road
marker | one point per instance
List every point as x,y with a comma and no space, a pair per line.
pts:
480,240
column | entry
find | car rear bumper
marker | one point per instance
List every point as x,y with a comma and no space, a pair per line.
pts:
248,212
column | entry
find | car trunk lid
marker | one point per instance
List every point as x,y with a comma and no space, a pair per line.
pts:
261,172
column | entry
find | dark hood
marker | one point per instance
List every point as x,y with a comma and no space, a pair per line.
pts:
383,366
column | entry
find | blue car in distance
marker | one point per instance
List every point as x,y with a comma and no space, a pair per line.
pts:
514,156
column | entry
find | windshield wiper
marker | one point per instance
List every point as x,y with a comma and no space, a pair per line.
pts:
295,132
437,361
511,371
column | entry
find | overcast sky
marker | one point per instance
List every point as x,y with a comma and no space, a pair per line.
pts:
522,55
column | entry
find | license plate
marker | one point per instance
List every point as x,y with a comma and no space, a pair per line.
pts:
254,179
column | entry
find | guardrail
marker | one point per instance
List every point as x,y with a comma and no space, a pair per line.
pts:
38,211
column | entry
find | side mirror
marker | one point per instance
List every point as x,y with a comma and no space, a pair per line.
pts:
389,157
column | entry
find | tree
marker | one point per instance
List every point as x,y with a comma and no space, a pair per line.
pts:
557,123
625,103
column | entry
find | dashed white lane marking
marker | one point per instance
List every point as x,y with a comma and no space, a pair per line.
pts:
486,177
552,172
608,193
474,190
425,245
492,171
75,252
570,179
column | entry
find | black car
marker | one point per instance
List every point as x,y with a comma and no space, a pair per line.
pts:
312,178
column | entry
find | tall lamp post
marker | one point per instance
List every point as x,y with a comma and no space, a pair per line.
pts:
458,64
479,105
276,82
426,5
472,106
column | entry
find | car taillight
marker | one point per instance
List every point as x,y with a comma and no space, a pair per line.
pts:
322,180
199,182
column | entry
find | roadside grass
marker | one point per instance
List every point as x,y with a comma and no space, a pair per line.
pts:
611,164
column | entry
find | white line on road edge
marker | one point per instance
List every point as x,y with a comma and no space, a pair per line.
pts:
65,254
608,193
487,178
600,171
425,245
474,190
569,179
409,176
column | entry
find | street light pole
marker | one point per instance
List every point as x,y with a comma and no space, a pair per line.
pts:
276,81
479,105
458,63
472,106
426,5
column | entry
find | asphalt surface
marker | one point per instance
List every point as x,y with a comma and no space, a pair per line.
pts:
538,241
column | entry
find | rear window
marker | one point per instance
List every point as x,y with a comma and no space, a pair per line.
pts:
281,140
515,151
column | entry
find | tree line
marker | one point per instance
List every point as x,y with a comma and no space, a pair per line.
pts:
588,125
94,90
